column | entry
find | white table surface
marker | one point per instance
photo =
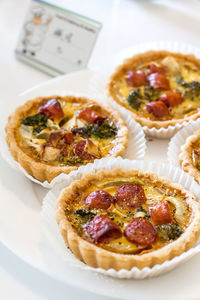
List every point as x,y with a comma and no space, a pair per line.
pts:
125,23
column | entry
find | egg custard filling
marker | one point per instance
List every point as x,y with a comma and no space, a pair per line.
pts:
129,214
158,85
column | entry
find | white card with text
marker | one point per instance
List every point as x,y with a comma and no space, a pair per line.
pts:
56,40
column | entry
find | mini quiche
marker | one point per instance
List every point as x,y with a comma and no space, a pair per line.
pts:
53,135
189,156
125,218
160,88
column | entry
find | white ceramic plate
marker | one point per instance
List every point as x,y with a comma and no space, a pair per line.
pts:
76,84
20,231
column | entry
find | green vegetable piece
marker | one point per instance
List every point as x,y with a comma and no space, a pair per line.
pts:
134,99
84,215
151,94
192,89
38,121
103,129
167,232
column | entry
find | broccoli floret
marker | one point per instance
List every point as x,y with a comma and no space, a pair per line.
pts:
167,232
38,121
82,131
151,94
134,99
192,89
103,129
84,215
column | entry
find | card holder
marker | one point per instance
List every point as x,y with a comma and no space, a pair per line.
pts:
56,40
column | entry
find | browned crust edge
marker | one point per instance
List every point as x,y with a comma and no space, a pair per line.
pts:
140,59
185,156
97,257
42,171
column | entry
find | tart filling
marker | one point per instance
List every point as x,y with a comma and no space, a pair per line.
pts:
189,157
160,88
66,132
128,216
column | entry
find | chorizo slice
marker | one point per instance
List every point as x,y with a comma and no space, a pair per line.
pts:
89,115
68,138
79,150
158,81
157,108
172,99
60,138
99,199
102,230
141,232
136,78
154,68
130,196
52,109
54,137
160,213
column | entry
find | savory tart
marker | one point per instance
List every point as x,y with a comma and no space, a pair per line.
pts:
160,88
53,135
125,218
189,156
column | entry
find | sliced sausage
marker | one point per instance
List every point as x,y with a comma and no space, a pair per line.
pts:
158,81
52,109
89,115
99,199
102,230
79,150
136,78
140,232
68,138
153,68
129,196
157,108
55,136
60,138
172,99
160,213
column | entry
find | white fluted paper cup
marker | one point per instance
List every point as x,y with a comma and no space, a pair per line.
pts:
136,141
99,81
52,237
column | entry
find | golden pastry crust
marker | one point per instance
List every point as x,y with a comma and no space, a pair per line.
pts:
96,256
140,59
185,156
43,171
